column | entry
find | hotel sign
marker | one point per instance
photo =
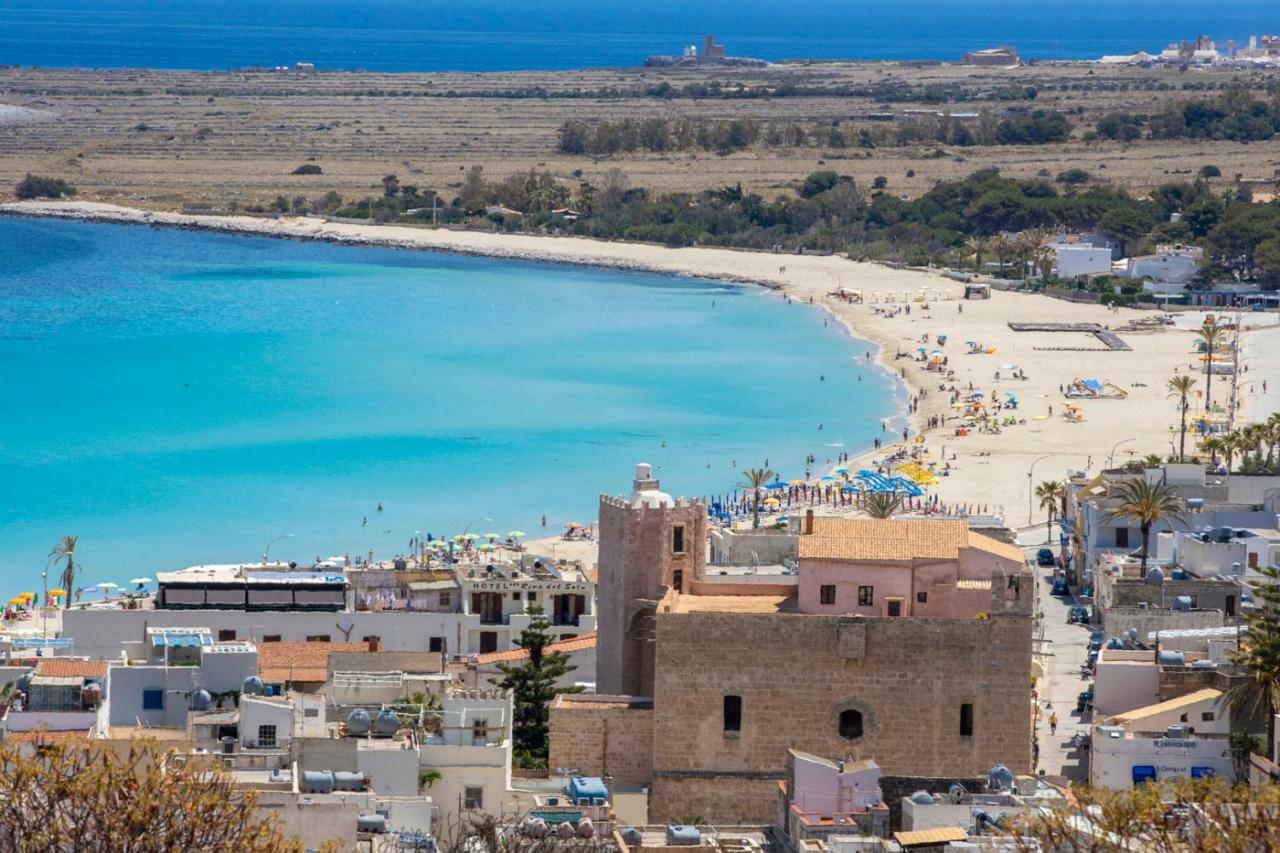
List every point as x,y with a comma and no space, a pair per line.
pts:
539,586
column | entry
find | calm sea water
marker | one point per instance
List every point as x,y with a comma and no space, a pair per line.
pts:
491,35
177,397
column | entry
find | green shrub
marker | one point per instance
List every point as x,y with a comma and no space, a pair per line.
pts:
35,186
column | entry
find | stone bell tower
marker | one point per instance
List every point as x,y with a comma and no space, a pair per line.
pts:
648,543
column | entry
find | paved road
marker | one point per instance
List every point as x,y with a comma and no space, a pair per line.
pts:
1060,649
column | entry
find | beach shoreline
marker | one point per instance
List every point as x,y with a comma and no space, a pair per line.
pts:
991,472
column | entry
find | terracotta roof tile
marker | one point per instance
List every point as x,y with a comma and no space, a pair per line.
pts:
577,644
897,540
71,668
279,662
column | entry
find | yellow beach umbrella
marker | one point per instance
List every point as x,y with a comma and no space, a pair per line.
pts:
58,592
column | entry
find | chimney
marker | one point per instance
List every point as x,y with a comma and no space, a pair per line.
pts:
375,644
808,521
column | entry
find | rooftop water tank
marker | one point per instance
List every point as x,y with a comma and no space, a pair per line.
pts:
1195,503
1154,575
1131,635
536,827
24,681
631,835
588,790
1000,779
586,828
680,834
1182,602
358,722
252,686
344,781
1172,658
316,782
1114,643
922,798
386,723
1178,574
282,777
371,823
201,700
1176,732
1203,664
565,830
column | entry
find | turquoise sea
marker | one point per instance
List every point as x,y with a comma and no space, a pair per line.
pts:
178,397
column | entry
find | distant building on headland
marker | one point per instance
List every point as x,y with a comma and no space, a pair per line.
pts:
1003,55
712,54
1204,52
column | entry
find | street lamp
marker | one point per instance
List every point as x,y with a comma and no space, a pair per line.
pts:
467,529
1031,485
1112,454
267,550
44,603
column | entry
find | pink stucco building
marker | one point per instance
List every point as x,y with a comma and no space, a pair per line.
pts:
926,568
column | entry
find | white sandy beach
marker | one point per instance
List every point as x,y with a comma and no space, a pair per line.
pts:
990,470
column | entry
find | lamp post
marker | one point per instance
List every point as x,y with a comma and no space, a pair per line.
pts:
1031,485
467,529
1112,454
267,551
44,604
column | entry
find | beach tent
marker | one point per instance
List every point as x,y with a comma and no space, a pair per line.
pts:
1096,389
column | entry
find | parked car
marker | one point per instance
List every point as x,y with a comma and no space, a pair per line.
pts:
1060,587
1084,701
1044,557
1095,641
1079,615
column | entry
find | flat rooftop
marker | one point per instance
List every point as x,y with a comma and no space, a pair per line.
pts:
733,604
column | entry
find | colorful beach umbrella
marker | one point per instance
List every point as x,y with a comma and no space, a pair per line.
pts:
517,534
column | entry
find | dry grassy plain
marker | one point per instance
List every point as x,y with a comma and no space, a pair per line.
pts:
162,139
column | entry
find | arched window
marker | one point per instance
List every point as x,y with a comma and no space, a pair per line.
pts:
733,713
850,724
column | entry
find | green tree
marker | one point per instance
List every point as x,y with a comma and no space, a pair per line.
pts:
35,186
755,478
882,505
1211,335
1050,493
1259,654
65,553
532,683
1148,504
1180,386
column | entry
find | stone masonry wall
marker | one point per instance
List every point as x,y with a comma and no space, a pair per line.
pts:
602,738
796,673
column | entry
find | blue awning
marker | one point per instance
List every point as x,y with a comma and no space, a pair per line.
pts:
177,641
40,642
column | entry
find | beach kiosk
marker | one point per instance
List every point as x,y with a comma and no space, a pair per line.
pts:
977,290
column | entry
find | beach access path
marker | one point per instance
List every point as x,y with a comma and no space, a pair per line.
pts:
990,471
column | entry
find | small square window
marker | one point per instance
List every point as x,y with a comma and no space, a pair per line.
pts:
677,539
473,798
827,593
227,635
435,644
866,596
445,600
1206,716
267,737
270,638
515,596
153,699
318,638
922,598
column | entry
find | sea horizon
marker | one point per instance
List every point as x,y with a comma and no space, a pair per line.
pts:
498,35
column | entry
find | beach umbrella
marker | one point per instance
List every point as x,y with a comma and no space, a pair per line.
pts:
795,482
58,592
827,479
470,537
844,471
140,581
107,585
486,547
776,484
492,536
517,534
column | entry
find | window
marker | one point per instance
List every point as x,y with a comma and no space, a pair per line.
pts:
922,598
866,595
677,539
270,638
435,644
488,642
445,599
317,638
369,638
473,798
966,720
1182,718
480,730
677,579
850,724
1230,605
153,699
310,712
1122,537
515,596
227,635
827,593
267,737
1206,716
733,713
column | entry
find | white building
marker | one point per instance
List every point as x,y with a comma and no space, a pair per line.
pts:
472,755
1081,259
498,596
1169,265
1183,737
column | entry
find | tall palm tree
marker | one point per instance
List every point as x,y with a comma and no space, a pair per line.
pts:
1210,334
755,480
976,246
1180,386
1148,504
1050,492
1028,243
1044,257
1259,652
882,504
1233,443
1003,247
65,552
1215,445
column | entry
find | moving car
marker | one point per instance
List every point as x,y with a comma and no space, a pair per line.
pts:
1060,587
1079,615
1044,557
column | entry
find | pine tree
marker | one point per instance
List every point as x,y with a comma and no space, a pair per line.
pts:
1259,695
532,683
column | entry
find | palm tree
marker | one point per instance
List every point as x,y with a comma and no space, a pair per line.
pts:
1233,443
1259,652
1215,445
976,246
1180,387
1148,504
1003,247
1027,243
882,504
1210,335
1050,492
65,552
1044,258
755,480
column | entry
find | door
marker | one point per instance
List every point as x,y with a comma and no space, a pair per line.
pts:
895,607
488,642
488,606
1231,605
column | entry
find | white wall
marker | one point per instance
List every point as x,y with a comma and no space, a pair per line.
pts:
1083,260
128,682
1122,685
394,771
256,712
1113,759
